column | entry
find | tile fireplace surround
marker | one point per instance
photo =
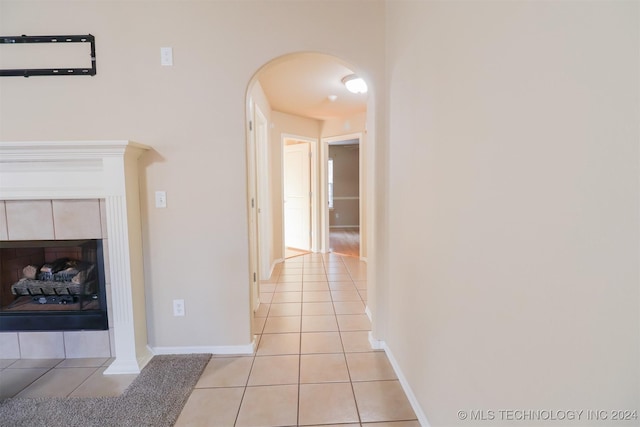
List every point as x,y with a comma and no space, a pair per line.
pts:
97,178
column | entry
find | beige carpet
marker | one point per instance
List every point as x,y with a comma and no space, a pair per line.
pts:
155,399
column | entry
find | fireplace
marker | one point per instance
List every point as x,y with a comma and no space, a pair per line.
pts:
52,285
84,194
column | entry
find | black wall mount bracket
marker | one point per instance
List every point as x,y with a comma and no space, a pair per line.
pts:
27,72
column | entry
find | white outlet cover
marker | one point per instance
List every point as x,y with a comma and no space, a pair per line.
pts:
178,307
161,199
166,56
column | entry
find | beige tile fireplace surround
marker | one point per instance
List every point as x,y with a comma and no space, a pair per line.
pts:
59,190
54,220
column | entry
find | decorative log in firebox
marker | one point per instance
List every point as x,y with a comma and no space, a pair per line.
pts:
62,281
52,285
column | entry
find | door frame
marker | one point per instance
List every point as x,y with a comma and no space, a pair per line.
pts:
254,296
315,218
263,196
324,220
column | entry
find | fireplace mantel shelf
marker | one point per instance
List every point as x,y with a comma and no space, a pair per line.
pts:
50,170
35,170
80,145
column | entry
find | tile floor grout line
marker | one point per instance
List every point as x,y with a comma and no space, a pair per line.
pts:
299,368
346,362
300,352
344,356
246,385
34,380
84,381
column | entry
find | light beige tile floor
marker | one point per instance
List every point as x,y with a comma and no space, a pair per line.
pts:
60,378
313,365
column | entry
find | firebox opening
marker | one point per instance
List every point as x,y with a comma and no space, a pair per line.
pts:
52,285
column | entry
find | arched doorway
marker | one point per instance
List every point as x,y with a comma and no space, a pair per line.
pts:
300,97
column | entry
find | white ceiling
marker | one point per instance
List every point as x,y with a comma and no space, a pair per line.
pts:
300,84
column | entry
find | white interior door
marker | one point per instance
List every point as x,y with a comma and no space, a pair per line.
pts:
297,197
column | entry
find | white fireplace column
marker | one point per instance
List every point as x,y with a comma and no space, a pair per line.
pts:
49,170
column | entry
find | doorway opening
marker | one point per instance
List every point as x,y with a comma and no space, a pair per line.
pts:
344,207
296,105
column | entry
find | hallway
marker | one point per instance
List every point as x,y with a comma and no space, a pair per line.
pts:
314,364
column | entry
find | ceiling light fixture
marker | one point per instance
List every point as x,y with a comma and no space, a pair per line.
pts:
355,84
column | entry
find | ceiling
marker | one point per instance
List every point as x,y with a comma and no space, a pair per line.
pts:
301,83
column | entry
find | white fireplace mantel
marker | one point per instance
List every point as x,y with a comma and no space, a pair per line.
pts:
108,170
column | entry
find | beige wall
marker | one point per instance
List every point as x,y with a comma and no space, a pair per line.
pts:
514,205
344,126
193,115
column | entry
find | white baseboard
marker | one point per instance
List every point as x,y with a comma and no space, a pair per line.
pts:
368,313
213,349
273,265
375,343
344,226
382,345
